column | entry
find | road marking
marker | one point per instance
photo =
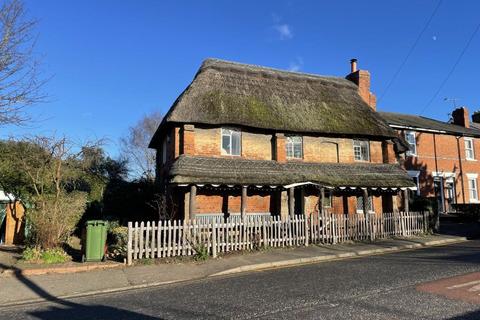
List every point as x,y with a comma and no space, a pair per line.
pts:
466,284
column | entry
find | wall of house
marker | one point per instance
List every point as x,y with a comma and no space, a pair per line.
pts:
218,201
442,153
213,201
258,146
206,141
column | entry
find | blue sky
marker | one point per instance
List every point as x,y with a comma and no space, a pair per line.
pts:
112,62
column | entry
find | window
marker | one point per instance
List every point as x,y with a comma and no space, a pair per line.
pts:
165,143
415,175
361,150
231,142
469,152
360,204
328,199
412,143
294,146
164,151
472,187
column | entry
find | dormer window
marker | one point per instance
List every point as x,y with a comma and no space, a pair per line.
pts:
231,142
294,146
361,150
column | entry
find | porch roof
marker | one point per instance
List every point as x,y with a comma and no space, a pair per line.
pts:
236,171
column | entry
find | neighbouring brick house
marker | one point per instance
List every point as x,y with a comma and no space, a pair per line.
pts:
250,140
443,158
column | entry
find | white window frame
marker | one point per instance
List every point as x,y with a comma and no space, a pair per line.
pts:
290,146
366,144
411,143
470,149
472,177
370,210
229,132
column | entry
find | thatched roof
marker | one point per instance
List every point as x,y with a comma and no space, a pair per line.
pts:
228,93
209,170
419,123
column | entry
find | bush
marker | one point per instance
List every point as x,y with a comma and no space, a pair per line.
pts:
55,255
32,254
201,252
48,256
117,239
53,218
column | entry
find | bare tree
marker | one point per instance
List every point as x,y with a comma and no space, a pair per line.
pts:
134,146
19,73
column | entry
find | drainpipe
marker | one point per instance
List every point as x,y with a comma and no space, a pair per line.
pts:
461,171
437,214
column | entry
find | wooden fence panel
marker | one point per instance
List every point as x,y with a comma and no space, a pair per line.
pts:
158,239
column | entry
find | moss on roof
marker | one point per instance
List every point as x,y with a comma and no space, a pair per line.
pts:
228,93
196,169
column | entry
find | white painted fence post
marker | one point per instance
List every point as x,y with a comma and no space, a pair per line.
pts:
129,244
214,239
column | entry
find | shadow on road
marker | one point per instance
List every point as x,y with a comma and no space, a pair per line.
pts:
456,226
71,310
473,315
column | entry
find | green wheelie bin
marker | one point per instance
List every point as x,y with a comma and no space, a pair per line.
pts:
95,240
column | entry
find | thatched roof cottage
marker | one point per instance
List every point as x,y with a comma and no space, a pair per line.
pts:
250,140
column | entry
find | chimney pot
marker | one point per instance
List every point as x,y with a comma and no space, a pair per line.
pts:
353,65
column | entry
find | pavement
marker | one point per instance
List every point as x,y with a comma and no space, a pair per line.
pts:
404,285
21,288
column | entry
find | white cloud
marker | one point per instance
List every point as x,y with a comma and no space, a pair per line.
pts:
296,65
284,31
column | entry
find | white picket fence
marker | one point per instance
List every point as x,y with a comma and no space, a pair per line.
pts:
185,238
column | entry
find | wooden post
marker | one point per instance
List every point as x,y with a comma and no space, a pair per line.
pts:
366,213
322,200
283,205
214,239
291,202
406,200
129,243
192,203
304,213
321,213
243,203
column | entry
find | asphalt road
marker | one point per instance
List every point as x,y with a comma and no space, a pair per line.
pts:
377,287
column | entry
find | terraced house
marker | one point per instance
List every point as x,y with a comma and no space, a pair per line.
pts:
444,157
250,140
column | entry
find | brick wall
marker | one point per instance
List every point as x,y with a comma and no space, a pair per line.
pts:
217,202
206,141
443,153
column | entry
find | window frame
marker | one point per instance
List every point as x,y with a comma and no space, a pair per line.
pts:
414,143
471,149
367,144
328,199
289,141
165,145
230,133
372,207
470,178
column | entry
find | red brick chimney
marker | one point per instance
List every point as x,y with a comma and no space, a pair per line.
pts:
362,79
460,117
476,116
